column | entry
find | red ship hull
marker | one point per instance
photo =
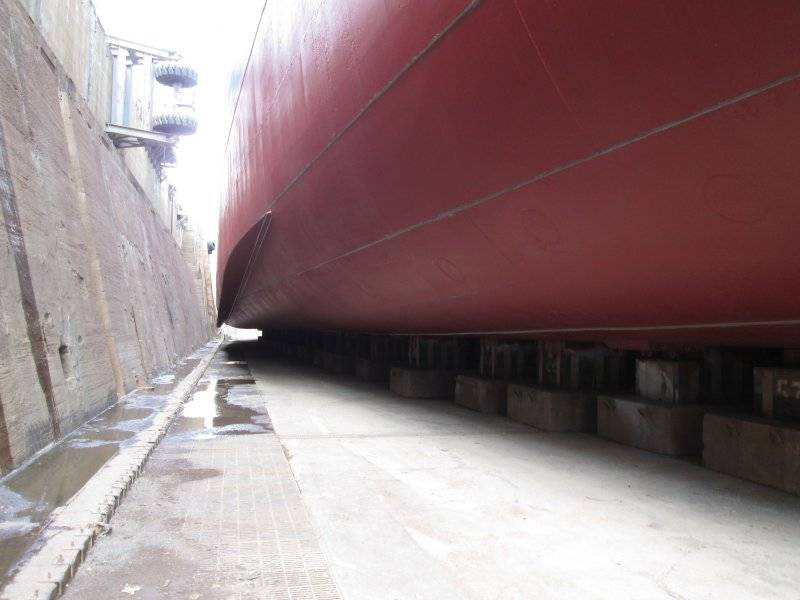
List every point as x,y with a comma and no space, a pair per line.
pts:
619,171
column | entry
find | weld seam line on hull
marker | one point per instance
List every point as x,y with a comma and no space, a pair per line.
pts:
549,173
611,329
411,434
532,39
628,328
266,220
378,95
280,83
246,70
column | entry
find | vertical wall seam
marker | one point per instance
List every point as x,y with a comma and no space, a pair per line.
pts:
96,274
145,371
6,460
16,240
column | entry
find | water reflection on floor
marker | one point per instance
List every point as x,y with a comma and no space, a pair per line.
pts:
29,495
226,403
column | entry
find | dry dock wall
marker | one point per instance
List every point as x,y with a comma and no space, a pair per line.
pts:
195,253
77,38
95,295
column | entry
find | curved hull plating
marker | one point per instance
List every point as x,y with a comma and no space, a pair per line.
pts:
622,171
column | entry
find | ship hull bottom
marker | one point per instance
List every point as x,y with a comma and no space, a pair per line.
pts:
688,236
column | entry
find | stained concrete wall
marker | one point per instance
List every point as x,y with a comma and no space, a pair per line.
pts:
77,38
95,296
195,253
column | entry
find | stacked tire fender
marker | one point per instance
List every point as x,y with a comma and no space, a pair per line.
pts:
176,75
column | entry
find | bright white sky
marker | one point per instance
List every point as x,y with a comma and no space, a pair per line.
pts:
215,38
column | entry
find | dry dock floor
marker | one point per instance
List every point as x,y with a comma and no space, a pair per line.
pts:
364,495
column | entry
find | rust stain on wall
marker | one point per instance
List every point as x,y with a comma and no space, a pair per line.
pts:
16,241
6,461
95,270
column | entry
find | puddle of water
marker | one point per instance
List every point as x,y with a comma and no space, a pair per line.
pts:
104,435
166,381
224,407
47,483
201,351
227,372
226,404
163,379
16,528
124,413
239,429
29,495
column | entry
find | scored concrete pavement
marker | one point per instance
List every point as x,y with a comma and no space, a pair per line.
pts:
217,514
425,499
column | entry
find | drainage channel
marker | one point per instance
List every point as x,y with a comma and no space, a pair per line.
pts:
31,495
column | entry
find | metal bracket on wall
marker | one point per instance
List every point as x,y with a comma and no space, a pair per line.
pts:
131,137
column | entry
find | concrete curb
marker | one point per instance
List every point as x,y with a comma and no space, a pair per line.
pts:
74,528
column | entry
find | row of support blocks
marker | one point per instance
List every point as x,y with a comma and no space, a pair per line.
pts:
576,389
665,415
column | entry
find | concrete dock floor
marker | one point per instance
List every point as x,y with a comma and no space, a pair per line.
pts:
397,498
217,513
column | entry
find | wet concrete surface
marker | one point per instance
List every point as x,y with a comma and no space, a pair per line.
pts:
29,495
217,513
225,401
